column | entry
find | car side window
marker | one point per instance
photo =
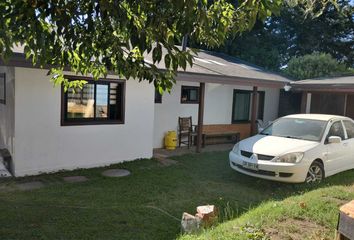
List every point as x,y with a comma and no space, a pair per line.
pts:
336,130
349,127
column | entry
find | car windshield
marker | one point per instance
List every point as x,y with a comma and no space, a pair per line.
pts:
297,128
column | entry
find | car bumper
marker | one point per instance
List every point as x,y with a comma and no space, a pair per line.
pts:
283,172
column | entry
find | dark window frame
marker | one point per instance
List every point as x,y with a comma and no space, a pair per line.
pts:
3,76
184,87
260,110
158,96
64,121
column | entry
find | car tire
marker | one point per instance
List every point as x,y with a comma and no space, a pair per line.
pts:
316,173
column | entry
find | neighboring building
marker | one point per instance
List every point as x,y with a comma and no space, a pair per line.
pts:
114,120
333,95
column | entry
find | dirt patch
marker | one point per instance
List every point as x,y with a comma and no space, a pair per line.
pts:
296,229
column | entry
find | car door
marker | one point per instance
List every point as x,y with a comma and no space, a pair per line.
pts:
349,128
336,152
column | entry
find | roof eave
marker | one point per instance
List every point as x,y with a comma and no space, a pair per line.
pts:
230,80
19,60
339,88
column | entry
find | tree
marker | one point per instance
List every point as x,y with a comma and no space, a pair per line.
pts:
315,65
332,32
272,43
259,46
93,37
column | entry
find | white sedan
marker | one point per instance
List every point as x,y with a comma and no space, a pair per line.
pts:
297,148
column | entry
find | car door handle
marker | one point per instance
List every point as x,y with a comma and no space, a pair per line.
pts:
345,144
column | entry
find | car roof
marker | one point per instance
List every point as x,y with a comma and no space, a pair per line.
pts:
323,117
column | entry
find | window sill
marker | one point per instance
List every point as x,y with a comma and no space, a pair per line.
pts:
241,121
83,123
189,102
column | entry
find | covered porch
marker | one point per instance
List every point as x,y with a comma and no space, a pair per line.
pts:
245,127
218,90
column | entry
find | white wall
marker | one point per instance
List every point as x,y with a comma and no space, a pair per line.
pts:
42,145
7,111
271,104
218,107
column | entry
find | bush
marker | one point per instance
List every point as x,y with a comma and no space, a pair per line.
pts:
315,65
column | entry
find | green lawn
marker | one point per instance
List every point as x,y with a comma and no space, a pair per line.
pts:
136,207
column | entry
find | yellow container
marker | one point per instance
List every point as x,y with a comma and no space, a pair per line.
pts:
171,140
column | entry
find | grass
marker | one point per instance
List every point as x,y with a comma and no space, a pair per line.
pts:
149,203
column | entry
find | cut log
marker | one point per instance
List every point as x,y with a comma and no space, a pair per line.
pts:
208,214
190,223
346,222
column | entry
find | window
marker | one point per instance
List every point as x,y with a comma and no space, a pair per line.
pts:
158,96
98,102
2,88
336,130
349,126
242,105
189,94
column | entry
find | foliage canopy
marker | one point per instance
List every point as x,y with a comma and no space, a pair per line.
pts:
95,37
315,65
271,44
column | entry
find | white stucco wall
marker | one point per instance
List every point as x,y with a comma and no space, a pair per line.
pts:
7,111
271,104
218,107
42,145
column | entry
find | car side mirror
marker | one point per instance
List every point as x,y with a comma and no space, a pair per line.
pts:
334,139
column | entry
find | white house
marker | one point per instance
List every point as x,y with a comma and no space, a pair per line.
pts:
114,120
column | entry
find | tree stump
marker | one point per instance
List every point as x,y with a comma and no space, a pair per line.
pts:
208,214
345,229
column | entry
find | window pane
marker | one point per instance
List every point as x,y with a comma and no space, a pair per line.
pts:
241,106
184,95
193,95
80,103
115,101
336,130
158,96
101,101
349,126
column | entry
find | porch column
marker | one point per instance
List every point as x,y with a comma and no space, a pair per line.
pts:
345,104
254,110
200,116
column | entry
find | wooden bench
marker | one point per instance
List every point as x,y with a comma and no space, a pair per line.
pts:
228,133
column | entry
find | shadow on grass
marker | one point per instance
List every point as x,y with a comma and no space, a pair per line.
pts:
144,205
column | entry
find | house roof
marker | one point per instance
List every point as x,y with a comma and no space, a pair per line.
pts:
216,67
333,84
209,67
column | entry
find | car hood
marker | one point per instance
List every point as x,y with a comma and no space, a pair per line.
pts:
275,146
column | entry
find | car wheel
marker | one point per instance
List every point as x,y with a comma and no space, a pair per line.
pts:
316,173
